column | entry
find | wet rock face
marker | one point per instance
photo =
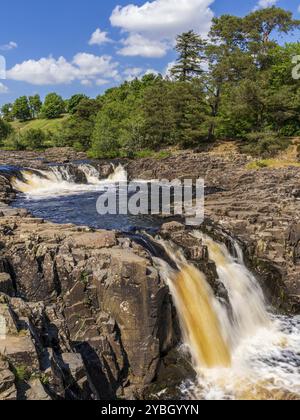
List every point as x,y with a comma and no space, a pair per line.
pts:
85,302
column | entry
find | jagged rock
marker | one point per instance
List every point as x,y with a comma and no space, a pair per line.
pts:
6,285
71,381
20,351
8,391
36,391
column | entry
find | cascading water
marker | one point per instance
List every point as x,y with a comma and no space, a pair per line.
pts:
244,353
69,194
60,180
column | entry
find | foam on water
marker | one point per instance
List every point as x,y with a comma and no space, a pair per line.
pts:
264,348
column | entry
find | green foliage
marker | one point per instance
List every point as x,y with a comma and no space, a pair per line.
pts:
6,111
35,104
22,373
74,101
77,130
21,109
235,84
119,126
53,106
5,130
189,47
264,144
33,139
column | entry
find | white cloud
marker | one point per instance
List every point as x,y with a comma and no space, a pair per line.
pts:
86,82
167,72
263,4
46,71
101,82
132,73
3,88
50,71
137,45
10,46
153,27
91,66
99,37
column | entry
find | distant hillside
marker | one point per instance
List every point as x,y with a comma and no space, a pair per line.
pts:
43,124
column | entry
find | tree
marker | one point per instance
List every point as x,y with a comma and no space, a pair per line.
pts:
6,112
5,130
189,47
190,113
21,109
260,24
35,104
33,139
105,143
77,130
53,106
159,115
74,101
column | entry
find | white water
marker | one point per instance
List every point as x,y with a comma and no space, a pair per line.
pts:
58,181
264,348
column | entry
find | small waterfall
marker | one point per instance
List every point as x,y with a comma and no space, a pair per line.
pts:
245,294
119,175
200,313
194,301
91,173
62,180
242,353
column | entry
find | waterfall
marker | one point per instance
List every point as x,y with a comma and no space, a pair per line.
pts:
62,180
194,301
239,353
119,175
91,173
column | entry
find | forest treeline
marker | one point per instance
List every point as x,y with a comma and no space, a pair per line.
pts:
236,84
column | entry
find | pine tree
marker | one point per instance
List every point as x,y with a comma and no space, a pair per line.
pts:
189,46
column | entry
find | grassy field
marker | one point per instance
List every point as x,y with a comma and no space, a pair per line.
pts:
43,124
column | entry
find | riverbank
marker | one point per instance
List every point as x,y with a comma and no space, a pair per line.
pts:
81,292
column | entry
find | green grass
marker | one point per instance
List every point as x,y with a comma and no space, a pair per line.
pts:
22,373
272,163
42,124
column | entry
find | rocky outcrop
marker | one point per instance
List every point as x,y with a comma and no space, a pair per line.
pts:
77,305
38,160
261,208
85,315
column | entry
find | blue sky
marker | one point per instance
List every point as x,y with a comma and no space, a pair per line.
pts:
71,46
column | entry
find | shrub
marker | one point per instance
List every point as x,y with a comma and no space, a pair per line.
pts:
264,144
33,139
5,130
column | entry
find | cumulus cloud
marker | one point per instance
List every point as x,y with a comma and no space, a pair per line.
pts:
50,71
10,46
99,38
132,72
263,4
3,88
153,27
138,45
